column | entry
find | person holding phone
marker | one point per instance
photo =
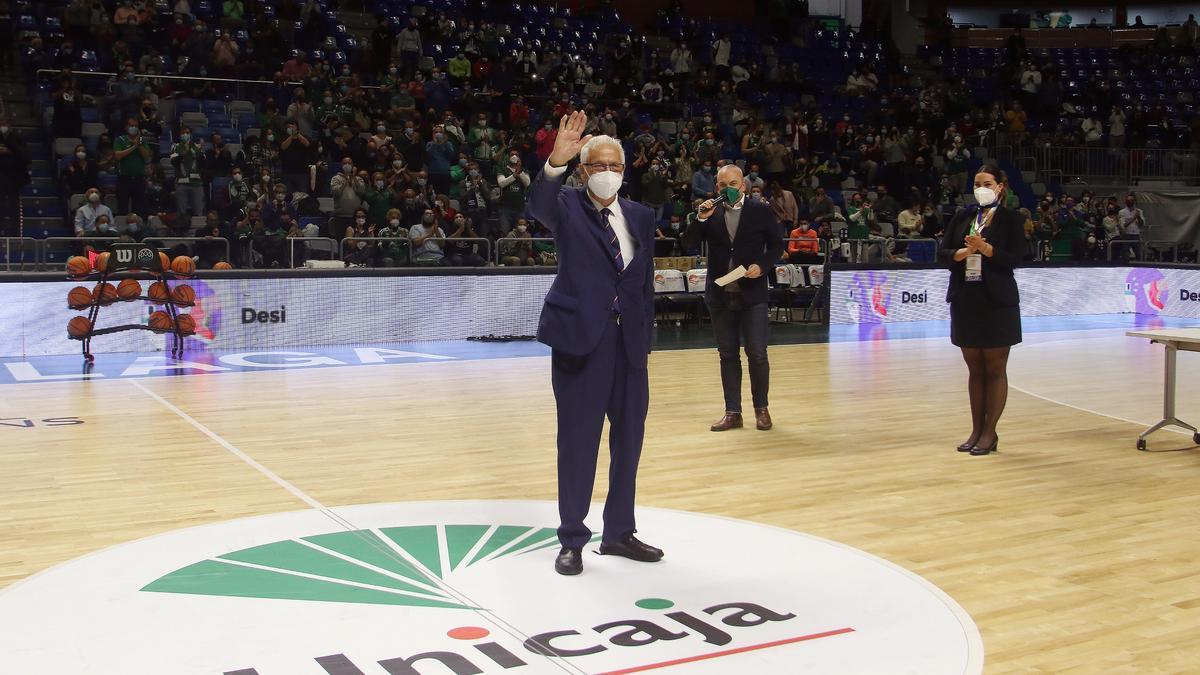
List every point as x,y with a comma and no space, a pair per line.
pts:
983,244
740,232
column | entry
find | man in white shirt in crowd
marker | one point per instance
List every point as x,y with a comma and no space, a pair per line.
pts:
92,209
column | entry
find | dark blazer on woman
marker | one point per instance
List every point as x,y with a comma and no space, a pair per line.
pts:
1006,234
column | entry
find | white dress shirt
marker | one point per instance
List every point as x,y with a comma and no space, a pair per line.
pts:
616,219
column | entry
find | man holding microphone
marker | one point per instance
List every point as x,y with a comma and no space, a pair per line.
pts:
744,242
598,319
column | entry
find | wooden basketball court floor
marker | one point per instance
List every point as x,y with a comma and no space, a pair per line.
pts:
1072,551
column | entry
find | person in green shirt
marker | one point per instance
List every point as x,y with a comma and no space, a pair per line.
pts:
860,218
394,252
459,68
132,153
379,200
235,13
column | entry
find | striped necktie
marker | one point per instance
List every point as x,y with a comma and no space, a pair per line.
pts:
615,246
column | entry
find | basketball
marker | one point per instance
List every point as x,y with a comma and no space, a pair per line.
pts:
183,294
158,291
222,266
105,294
183,266
165,260
79,297
187,325
102,262
160,320
78,266
79,326
129,289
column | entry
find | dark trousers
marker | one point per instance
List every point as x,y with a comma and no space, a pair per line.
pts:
737,324
131,195
586,389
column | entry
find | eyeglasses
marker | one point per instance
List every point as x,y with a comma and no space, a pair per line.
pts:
596,167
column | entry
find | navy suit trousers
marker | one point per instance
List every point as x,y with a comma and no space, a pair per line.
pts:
586,390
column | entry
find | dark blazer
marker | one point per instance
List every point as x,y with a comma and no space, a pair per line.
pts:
758,241
1006,234
578,306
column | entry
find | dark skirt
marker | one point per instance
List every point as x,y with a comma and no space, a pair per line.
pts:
976,321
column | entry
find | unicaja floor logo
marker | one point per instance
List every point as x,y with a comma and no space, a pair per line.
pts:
469,588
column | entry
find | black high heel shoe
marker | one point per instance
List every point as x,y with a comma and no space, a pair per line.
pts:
966,447
978,451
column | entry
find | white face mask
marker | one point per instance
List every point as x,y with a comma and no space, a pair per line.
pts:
985,196
604,184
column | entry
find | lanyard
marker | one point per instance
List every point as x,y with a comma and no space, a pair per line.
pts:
977,226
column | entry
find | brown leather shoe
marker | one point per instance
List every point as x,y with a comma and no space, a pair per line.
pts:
762,419
729,421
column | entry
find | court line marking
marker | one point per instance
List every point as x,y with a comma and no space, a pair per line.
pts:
1145,425
485,614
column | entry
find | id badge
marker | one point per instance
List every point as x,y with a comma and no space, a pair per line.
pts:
974,267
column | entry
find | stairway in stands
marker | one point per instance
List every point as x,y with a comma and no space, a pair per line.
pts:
41,203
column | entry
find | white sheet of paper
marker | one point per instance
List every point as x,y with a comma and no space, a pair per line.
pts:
734,274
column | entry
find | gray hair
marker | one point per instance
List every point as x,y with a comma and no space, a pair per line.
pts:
599,141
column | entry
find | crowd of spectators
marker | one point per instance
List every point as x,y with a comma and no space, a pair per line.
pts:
416,159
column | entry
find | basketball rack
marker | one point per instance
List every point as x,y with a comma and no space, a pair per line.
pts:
131,261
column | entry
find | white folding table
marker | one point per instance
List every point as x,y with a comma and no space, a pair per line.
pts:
1173,340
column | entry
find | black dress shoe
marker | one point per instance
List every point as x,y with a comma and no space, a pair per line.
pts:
569,562
629,547
966,447
979,450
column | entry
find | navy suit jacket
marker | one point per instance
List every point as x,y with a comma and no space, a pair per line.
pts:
578,306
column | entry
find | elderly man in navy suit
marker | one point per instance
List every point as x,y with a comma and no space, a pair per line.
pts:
597,319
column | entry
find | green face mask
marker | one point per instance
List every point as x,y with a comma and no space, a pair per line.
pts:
731,194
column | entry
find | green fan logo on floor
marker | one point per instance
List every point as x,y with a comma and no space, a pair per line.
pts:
414,588
389,566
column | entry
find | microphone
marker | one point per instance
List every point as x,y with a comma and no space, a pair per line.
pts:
714,201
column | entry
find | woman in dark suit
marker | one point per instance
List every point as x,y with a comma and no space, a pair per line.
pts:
983,244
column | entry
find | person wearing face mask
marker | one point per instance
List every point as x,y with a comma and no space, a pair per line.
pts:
296,154
460,252
704,183
544,140
395,251
189,190
1130,221
347,190
514,185
81,173
89,212
740,233
983,244
440,153
598,319
132,153
803,247
516,250
378,199
427,240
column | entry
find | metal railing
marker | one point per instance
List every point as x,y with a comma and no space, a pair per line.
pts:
508,246
168,242
330,249
75,248
1144,247
404,241
33,247
484,243
1126,166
